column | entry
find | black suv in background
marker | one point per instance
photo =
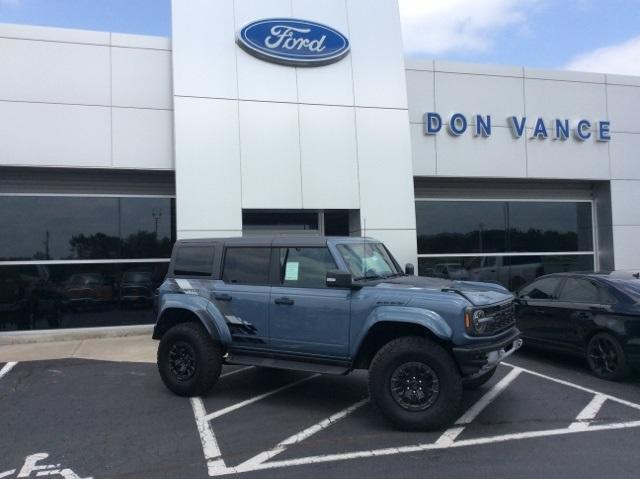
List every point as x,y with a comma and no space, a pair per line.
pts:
593,315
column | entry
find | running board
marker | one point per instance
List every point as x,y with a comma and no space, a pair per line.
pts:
274,363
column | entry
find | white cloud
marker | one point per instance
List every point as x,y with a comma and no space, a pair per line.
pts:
623,58
442,26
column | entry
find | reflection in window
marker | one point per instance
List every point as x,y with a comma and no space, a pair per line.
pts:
513,272
73,228
543,289
446,227
579,291
78,295
246,266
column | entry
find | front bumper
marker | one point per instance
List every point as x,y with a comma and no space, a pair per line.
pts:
474,361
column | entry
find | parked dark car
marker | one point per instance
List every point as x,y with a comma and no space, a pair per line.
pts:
596,316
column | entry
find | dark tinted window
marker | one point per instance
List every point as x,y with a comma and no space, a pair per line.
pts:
256,220
461,226
61,228
246,265
550,226
541,289
305,267
78,295
503,226
579,291
194,261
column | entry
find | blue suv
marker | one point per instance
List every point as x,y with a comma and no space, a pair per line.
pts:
330,305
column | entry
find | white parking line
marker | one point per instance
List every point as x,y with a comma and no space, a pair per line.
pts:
233,407
451,434
215,462
235,371
589,413
576,386
6,368
299,437
263,460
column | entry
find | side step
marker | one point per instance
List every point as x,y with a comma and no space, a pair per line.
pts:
287,364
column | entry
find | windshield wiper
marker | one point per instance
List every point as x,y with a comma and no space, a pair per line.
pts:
369,276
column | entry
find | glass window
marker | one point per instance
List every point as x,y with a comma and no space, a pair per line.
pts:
80,228
550,226
305,267
247,265
461,226
513,272
266,221
194,261
542,289
368,260
579,291
78,295
445,227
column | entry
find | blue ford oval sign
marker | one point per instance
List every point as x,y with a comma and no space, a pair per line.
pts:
293,42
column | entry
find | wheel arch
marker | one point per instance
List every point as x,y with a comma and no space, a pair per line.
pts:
382,332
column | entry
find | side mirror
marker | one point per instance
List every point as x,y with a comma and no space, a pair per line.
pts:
339,279
409,269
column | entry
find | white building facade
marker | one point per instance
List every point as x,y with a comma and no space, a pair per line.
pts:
115,145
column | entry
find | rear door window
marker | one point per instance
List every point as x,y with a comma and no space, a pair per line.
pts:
543,289
577,290
247,266
194,261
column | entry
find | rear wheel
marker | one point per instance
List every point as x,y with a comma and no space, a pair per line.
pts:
479,381
415,384
189,362
606,357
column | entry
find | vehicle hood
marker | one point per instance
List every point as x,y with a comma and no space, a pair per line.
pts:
479,294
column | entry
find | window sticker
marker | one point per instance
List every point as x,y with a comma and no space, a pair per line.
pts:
291,272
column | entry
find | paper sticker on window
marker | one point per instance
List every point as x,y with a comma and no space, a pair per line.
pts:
291,273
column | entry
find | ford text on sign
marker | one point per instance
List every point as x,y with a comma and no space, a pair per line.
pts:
293,42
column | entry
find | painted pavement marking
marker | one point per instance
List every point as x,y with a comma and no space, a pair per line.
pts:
582,423
5,370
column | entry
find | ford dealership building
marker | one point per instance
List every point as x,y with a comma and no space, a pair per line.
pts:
295,116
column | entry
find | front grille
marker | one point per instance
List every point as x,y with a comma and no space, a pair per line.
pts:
503,317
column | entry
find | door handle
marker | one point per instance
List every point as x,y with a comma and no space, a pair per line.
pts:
285,301
222,297
584,315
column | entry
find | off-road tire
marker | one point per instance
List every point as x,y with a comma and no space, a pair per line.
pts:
475,383
207,359
622,369
414,349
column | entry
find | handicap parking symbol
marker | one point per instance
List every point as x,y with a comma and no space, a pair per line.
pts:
31,469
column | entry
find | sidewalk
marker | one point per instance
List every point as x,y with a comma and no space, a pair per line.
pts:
140,349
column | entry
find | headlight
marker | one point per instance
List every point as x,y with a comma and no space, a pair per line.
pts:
475,321
479,323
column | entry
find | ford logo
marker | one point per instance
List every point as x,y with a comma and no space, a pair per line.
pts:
293,42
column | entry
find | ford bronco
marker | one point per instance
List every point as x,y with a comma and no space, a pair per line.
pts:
330,305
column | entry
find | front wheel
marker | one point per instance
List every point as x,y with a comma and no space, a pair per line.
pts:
189,362
606,357
416,384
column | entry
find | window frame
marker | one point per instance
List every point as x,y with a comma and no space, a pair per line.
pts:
594,253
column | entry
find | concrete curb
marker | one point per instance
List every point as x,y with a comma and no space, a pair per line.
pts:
49,336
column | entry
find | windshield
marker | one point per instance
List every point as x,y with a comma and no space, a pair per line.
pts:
368,260
630,287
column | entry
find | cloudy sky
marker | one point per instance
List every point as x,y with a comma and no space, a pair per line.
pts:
590,35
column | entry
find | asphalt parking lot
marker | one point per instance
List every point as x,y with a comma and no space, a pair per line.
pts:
79,418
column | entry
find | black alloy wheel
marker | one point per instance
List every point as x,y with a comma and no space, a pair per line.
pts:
414,386
606,357
182,361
